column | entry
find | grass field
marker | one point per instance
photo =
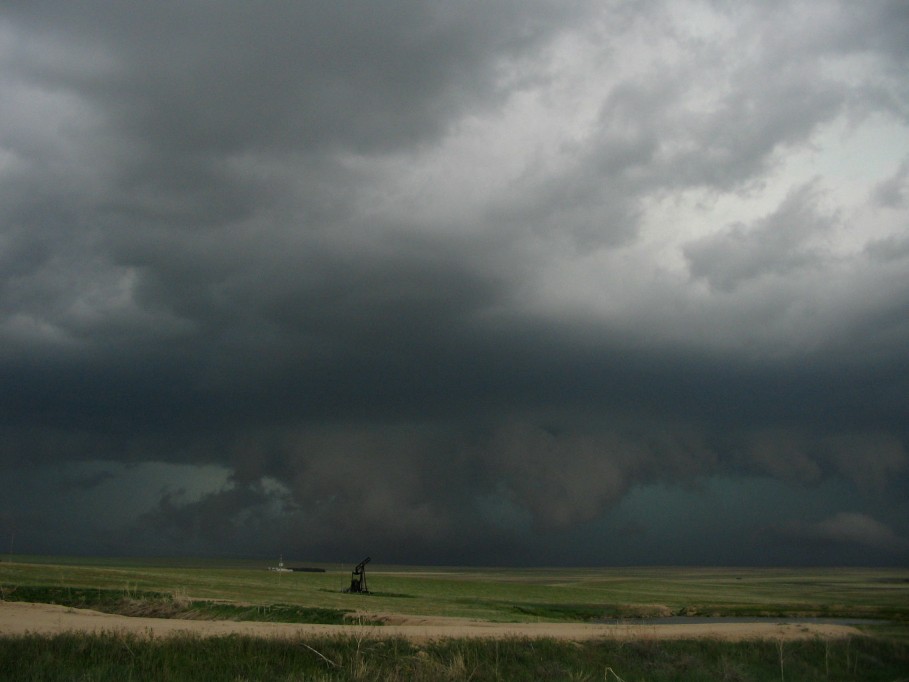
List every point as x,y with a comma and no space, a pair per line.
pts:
245,590
505,595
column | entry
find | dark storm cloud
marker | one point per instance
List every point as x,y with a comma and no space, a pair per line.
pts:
846,529
268,241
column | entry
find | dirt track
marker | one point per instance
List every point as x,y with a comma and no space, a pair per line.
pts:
19,618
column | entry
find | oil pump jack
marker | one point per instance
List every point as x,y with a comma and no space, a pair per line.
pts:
358,577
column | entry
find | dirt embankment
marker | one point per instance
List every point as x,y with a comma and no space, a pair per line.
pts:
17,618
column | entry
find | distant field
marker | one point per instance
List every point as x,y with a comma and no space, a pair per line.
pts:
503,595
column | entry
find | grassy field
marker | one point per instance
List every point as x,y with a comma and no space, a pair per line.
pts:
245,590
504,595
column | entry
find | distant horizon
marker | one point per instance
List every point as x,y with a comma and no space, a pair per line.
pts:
346,566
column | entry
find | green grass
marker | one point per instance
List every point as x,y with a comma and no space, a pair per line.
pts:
126,657
501,595
173,605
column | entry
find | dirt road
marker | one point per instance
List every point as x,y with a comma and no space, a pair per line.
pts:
19,618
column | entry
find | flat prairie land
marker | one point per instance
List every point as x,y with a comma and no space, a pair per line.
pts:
501,595
189,620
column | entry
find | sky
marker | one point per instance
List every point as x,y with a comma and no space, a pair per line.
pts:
493,283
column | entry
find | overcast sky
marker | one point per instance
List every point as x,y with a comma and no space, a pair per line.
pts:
494,282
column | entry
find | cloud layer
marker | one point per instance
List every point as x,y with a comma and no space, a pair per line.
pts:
453,283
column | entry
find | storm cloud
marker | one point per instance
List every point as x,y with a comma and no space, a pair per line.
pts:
456,282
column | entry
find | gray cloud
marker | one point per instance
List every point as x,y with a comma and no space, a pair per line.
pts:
850,528
454,281
894,191
295,78
777,245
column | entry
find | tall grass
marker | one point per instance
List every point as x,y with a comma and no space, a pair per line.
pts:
186,657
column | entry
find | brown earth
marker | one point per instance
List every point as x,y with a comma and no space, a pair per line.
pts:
18,618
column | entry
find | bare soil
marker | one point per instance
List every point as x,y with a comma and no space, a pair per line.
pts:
17,618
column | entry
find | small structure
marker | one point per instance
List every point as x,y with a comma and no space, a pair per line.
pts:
358,577
280,567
